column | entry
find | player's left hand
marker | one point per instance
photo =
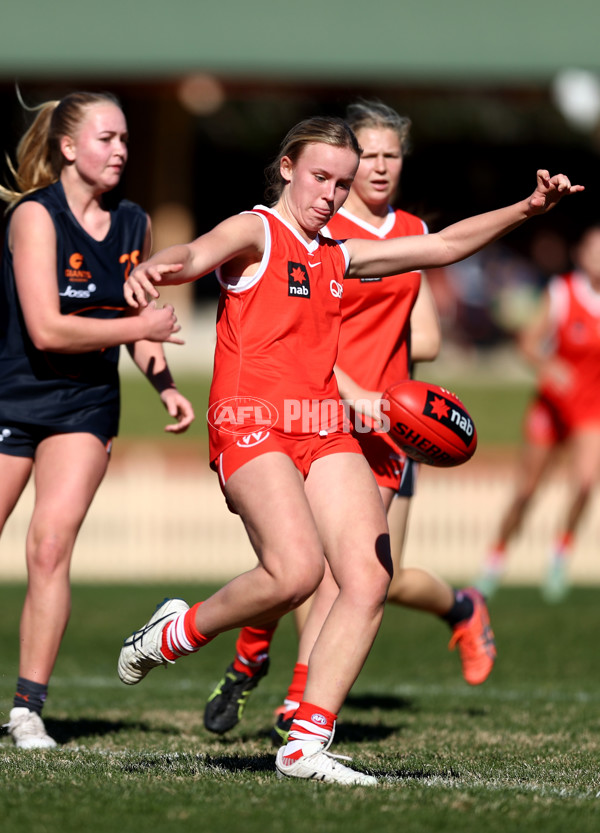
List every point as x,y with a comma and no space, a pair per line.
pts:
549,190
370,405
179,408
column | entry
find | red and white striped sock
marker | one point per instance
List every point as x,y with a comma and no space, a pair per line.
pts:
312,729
252,649
181,636
295,692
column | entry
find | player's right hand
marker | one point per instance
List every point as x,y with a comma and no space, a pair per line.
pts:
549,190
162,323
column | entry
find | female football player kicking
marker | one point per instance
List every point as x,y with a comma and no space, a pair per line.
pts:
388,323
301,485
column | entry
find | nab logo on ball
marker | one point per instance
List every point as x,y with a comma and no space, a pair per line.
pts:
430,424
298,282
451,415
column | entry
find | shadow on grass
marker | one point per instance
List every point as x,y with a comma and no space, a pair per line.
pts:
353,732
380,701
64,731
198,764
241,763
477,712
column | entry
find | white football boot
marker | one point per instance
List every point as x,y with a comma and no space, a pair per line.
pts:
28,731
321,765
141,652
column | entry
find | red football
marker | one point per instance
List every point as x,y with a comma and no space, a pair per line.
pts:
429,423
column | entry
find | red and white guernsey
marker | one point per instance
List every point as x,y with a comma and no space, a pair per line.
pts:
277,340
374,347
575,308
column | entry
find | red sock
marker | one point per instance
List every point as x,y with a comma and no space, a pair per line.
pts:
311,729
252,648
295,692
564,544
181,636
497,555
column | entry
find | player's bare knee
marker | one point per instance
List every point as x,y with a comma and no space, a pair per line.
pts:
48,555
306,585
368,590
299,584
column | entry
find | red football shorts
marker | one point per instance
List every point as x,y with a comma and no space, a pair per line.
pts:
302,451
543,423
386,460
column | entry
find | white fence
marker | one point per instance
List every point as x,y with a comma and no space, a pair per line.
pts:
154,519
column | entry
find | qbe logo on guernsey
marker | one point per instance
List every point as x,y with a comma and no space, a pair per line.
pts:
242,415
298,282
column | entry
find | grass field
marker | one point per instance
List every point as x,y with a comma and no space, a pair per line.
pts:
520,753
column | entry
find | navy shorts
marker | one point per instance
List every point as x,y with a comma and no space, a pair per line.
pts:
409,479
22,440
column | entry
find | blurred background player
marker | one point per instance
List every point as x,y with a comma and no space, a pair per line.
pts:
562,344
387,323
62,319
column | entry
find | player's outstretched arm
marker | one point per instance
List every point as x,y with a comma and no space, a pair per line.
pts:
240,236
458,241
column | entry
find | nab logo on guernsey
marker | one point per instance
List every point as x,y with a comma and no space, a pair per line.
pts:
243,416
298,282
449,414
